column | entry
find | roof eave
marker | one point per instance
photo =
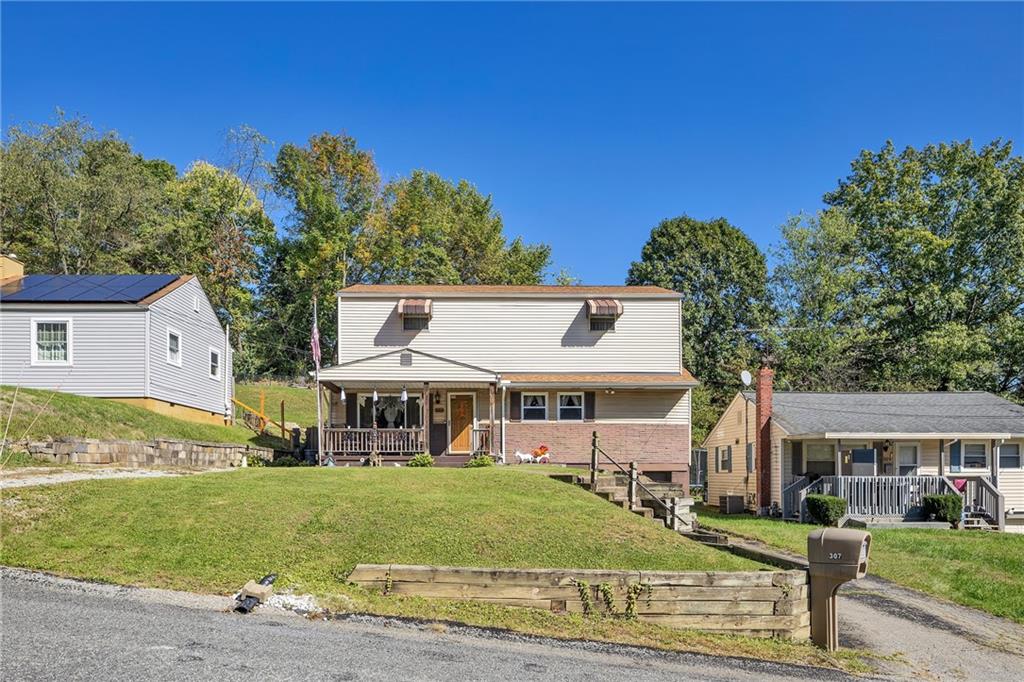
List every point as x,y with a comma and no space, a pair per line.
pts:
901,435
532,294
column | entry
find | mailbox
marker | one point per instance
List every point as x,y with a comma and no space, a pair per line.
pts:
835,556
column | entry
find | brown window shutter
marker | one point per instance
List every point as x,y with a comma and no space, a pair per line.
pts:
351,403
589,405
516,406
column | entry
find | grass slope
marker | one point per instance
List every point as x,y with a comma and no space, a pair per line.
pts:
299,403
311,526
73,415
974,568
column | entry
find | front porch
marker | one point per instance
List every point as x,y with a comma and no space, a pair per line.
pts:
393,444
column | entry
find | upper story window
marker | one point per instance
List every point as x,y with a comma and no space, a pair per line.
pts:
602,313
214,363
174,347
570,407
535,407
51,342
415,313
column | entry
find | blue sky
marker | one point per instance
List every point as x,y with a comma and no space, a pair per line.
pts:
587,123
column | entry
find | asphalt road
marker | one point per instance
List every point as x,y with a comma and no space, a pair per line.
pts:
59,629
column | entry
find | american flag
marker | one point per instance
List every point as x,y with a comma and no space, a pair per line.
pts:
314,342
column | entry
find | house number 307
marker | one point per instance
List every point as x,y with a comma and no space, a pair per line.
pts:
835,556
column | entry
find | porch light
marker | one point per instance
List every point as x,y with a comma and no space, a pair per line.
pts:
405,394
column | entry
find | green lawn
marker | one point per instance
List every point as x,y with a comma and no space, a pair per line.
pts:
974,568
43,414
299,403
212,532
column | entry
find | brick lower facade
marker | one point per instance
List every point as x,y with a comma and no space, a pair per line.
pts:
655,447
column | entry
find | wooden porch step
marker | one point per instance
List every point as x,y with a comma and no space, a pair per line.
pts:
645,512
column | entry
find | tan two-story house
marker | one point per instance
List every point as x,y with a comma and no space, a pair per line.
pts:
460,370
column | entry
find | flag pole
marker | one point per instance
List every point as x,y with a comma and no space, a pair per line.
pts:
316,371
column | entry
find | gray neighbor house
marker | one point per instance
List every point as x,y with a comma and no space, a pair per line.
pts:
149,340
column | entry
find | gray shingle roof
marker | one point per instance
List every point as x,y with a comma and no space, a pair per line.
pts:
890,413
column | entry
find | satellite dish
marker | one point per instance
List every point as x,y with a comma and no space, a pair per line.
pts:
745,376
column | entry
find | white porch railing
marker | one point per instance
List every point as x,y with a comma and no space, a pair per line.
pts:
890,496
481,440
791,498
366,441
981,495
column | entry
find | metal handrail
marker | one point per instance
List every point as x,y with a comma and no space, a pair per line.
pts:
633,479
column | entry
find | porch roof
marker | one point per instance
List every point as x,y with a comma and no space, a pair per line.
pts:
896,415
405,366
600,380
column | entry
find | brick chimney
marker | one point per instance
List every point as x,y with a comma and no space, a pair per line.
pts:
765,377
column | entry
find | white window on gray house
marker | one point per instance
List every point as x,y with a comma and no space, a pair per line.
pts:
195,304
214,363
174,347
51,342
535,406
1009,456
907,454
975,456
570,407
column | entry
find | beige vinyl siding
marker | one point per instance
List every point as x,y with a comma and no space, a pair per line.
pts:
190,384
519,334
418,368
1011,484
638,407
730,432
108,349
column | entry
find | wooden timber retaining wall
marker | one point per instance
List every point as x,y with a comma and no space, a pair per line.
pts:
761,603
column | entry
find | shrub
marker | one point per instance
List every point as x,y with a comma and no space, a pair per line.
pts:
288,461
479,461
421,460
255,461
947,507
826,509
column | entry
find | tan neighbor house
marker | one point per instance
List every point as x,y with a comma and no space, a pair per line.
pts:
458,370
881,451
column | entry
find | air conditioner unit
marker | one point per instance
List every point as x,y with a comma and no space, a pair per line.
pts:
731,504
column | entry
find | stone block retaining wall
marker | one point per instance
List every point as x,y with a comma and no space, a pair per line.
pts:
135,453
757,603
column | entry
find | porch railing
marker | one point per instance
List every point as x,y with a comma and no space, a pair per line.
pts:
980,494
481,440
792,499
361,441
891,496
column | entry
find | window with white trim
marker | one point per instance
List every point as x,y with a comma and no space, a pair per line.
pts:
908,458
820,458
51,342
1009,456
195,304
415,323
174,347
974,456
570,407
535,406
602,324
214,363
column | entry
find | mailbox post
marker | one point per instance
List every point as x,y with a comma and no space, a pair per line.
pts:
835,556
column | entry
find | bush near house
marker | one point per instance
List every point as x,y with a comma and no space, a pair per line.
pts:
479,461
826,509
421,460
945,507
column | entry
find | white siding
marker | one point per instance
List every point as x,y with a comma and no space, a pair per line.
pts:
417,368
107,350
190,384
519,334
653,407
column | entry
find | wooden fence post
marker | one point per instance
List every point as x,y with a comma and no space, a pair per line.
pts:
283,434
593,462
673,509
632,485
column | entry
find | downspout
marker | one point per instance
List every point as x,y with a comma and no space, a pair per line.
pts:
503,389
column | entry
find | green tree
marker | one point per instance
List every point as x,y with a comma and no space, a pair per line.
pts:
73,200
722,277
941,233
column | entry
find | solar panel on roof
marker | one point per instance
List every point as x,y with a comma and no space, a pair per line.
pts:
84,288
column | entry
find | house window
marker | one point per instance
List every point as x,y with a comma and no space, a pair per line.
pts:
602,324
1009,456
415,323
570,407
820,459
174,347
535,406
975,456
195,304
392,413
51,342
907,456
214,363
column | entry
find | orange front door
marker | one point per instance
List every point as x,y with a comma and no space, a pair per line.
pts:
461,423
